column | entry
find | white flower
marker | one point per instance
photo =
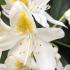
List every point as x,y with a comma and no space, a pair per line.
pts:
44,54
67,67
33,5
23,38
60,67
67,15
17,32
37,9
3,29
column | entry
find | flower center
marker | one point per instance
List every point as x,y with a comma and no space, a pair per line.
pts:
19,65
24,24
23,1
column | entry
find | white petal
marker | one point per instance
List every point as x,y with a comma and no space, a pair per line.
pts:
0,54
53,21
22,48
41,19
8,6
59,66
67,67
3,27
37,5
32,64
50,34
11,63
67,15
3,67
20,52
15,15
45,56
15,12
8,40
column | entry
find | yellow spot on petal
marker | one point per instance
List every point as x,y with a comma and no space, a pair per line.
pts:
23,1
19,65
24,24
13,1
2,30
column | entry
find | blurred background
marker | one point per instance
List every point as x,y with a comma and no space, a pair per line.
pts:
58,7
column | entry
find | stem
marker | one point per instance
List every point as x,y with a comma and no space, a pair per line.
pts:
62,17
62,44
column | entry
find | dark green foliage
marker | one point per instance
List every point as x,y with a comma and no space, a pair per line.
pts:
2,2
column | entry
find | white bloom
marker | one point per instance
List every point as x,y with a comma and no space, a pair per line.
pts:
59,66
67,15
37,9
23,38
44,54
33,5
67,67
3,29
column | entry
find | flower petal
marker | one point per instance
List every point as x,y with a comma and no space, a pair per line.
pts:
20,52
67,15
8,6
59,66
41,19
67,67
45,56
50,34
3,67
23,50
18,12
3,27
38,5
13,62
22,47
0,54
53,21
8,40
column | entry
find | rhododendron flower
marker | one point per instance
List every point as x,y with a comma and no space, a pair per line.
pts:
29,46
37,9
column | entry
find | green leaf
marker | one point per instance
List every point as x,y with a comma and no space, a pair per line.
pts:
58,7
4,56
2,2
5,19
63,44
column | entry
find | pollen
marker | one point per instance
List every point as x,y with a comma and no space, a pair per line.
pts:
19,65
24,24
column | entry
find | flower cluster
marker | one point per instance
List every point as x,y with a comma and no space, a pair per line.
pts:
30,48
